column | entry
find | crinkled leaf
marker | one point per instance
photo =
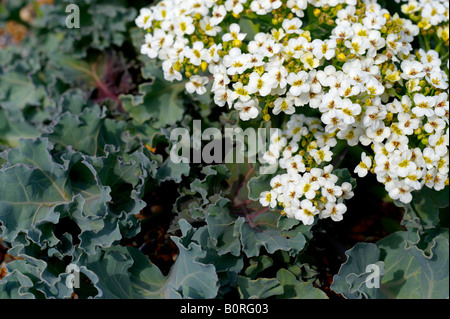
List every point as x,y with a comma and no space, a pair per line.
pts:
223,229
260,288
409,272
266,233
296,289
170,171
159,101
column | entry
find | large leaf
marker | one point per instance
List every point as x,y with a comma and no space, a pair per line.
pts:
159,101
18,90
260,288
87,132
426,204
293,288
13,128
188,277
412,273
409,271
223,229
37,190
32,185
351,277
266,233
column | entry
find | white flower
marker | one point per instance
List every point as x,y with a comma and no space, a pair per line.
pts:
331,191
327,174
209,29
218,14
412,70
330,101
429,58
268,198
378,135
348,110
234,33
223,96
240,92
424,105
279,74
333,210
374,21
407,124
292,26
324,49
162,39
413,179
400,191
258,42
364,166
261,84
434,123
374,87
342,32
197,84
358,45
160,13
170,73
277,184
307,188
383,165
295,165
236,62
248,110
197,53
321,155
221,80
184,25
309,61
283,105
148,49
438,79
396,143
257,7
442,105
298,83
271,157
373,117
402,164
144,20
440,143
235,6
351,135
347,191
307,212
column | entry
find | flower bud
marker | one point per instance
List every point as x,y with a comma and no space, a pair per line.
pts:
204,66
237,43
341,57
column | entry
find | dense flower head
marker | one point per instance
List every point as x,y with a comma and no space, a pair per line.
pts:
363,76
308,188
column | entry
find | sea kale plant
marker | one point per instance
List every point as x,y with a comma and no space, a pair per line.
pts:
345,197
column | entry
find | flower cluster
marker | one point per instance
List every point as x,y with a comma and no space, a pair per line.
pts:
306,190
357,69
428,14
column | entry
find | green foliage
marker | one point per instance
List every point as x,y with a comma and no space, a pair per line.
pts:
414,262
84,122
